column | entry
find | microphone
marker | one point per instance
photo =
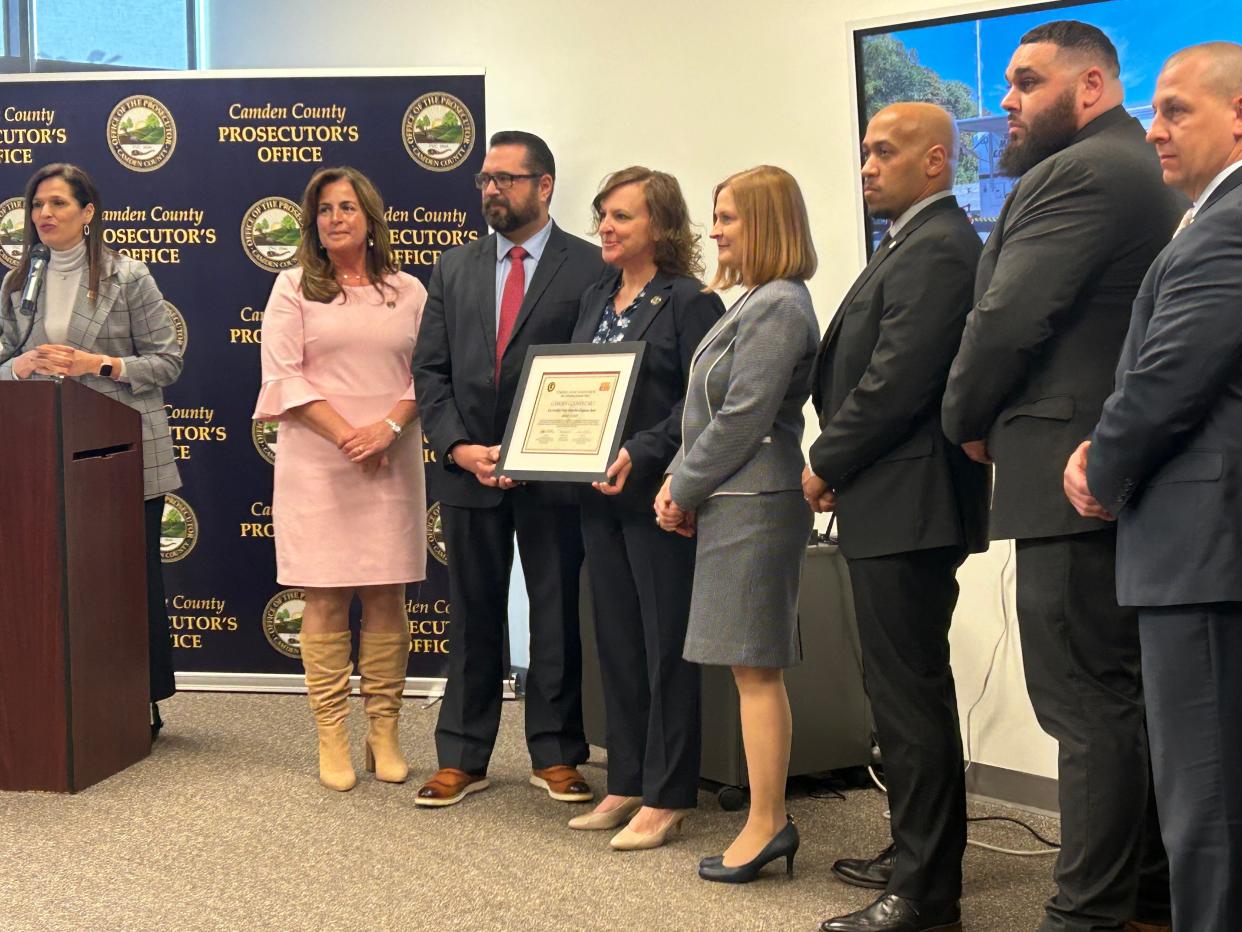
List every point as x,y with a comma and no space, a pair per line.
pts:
34,279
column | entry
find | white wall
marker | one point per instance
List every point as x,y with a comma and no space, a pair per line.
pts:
697,90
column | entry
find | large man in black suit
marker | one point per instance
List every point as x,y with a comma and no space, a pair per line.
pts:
517,287
1052,304
910,504
1166,460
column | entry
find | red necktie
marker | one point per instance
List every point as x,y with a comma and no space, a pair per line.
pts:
510,303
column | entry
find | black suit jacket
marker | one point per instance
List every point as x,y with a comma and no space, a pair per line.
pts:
1166,457
455,358
878,380
674,317
1052,305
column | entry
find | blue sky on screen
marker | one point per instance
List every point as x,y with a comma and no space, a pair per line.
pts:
1145,32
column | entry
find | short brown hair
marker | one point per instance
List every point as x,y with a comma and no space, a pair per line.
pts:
318,278
677,249
776,241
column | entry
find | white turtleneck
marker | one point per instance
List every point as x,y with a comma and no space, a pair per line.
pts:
65,269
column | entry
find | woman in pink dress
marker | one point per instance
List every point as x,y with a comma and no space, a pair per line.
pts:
349,506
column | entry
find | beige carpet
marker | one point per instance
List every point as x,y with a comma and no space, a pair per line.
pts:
225,827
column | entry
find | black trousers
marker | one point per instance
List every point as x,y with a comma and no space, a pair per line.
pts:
1192,676
904,605
480,559
159,650
641,579
1081,655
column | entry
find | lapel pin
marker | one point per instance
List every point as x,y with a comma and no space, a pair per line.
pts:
656,300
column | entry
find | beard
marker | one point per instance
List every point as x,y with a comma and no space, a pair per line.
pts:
505,216
1047,134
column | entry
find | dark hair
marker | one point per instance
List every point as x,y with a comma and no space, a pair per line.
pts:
1081,38
677,248
84,192
318,277
538,155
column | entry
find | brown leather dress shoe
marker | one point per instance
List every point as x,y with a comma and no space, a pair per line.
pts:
562,782
449,786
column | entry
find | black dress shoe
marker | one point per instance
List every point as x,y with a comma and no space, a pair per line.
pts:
783,845
892,913
156,722
873,873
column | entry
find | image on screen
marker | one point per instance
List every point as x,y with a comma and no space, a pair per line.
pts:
959,63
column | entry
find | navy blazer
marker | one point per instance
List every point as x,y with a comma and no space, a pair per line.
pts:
455,358
1166,456
672,320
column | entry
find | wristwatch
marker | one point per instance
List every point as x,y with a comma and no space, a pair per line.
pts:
396,428
105,370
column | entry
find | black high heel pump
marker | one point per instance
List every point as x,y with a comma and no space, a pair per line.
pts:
783,845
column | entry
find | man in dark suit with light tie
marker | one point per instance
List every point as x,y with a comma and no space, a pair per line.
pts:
1052,304
488,301
910,504
1166,460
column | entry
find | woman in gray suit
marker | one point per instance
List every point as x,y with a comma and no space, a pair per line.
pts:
736,482
100,319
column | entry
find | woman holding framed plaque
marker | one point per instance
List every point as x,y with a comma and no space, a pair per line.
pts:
640,577
349,506
99,318
736,482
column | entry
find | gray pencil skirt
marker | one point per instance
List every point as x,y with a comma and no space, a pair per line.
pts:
748,566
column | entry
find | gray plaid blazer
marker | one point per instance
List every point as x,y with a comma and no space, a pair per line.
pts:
128,320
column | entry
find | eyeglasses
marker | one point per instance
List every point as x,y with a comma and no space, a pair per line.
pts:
504,181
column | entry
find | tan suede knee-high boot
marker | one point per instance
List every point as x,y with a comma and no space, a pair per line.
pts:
326,659
382,660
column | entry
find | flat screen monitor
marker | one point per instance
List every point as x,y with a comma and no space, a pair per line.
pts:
959,62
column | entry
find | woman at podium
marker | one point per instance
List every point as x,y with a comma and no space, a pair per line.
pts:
349,508
98,317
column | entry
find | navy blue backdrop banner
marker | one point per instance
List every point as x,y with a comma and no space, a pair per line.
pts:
200,177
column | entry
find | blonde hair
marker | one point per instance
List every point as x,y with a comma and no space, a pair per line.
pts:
776,234
318,277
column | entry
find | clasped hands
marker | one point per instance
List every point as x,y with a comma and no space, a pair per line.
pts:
669,515
483,461
816,492
367,446
56,359
1074,481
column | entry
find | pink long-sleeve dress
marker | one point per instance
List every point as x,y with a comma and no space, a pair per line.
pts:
335,525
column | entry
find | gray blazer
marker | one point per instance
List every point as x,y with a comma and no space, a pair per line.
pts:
741,429
129,320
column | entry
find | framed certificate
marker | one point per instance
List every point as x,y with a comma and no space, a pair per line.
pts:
566,421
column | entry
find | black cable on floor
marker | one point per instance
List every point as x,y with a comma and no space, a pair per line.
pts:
999,818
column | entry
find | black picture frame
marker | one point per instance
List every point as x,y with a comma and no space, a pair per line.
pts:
510,469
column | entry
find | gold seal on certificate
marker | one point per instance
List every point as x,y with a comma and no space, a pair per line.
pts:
566,421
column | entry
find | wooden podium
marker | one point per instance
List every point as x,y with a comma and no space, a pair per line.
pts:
74,686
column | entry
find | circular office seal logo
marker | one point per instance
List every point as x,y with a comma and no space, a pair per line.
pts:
282,622
263,433
435,534
12,229
271,232
438,132
178,529
141,133
180,332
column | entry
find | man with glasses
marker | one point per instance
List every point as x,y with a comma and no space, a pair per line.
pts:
487,302
1052,304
